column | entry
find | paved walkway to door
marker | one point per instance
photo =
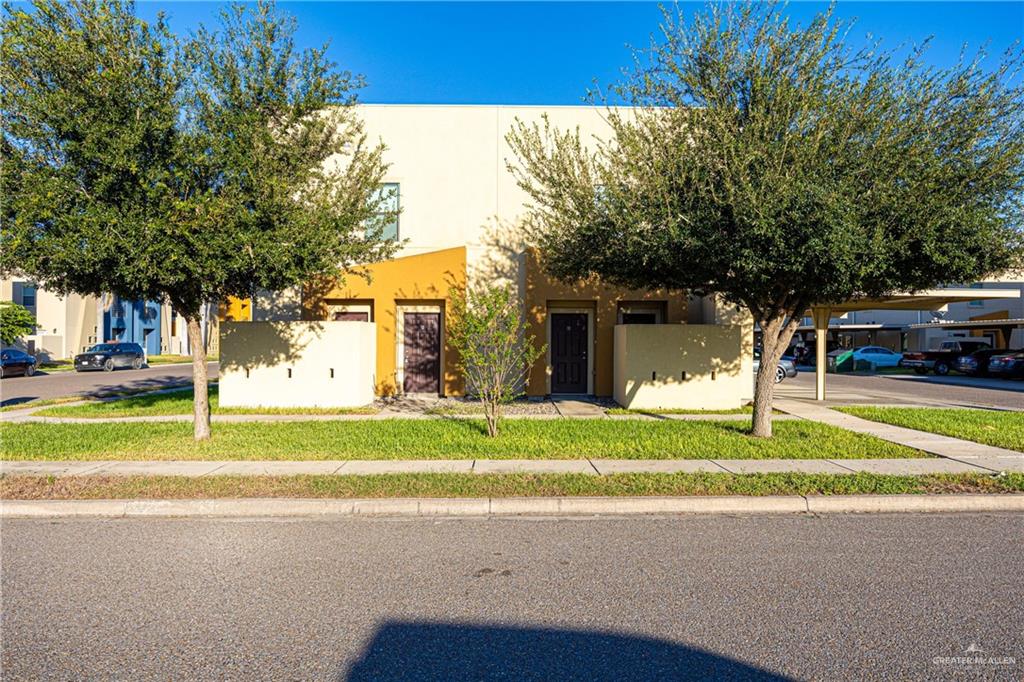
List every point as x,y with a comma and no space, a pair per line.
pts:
932,443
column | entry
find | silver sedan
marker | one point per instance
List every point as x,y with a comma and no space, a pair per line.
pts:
785,370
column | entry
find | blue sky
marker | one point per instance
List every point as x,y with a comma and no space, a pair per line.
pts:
550,53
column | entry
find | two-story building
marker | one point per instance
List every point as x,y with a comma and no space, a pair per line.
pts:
460,221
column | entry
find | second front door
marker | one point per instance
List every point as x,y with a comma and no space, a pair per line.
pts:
569,342
422,352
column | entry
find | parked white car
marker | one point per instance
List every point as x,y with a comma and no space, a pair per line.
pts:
880,357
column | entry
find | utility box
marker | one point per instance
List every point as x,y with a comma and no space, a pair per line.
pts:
840,360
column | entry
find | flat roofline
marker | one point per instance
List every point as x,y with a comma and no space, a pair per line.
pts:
966,324
930,299
492,106
891,327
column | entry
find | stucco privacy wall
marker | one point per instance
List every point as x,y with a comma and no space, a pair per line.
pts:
297,364
691,366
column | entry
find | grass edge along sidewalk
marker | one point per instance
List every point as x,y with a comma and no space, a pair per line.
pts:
499,486
998,428
162,403
398,439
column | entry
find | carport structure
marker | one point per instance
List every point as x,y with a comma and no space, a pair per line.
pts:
931,299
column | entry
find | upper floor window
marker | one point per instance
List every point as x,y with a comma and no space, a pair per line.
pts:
388,210
977,304
28,296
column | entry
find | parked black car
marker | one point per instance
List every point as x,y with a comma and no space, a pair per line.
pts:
976,364
110,356
14,362
1008,364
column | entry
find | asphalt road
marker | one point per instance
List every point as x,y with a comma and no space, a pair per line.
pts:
955,391
14,390
839,597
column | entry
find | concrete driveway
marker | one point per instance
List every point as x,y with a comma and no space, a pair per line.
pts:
908,389
15,390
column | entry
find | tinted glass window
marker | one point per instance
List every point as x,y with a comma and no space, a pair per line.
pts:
387,196
103,348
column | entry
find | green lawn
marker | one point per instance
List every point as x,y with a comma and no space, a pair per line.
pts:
496,485
439,439
178,402
991,427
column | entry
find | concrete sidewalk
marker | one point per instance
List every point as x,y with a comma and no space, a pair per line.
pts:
593,467
932,443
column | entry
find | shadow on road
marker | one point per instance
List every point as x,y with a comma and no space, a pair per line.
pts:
447,651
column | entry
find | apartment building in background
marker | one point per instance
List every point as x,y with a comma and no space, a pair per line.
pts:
998,321
67,325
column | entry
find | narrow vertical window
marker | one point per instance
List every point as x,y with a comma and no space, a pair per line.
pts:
388,205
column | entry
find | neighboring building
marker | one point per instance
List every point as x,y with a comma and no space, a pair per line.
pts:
66,324
69,324
460,221
133,322
994,320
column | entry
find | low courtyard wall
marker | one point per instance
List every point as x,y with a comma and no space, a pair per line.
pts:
297,364
681,366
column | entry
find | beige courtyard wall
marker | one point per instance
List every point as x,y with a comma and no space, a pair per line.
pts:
650,361
297,364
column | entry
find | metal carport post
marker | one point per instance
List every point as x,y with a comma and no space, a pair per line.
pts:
821,314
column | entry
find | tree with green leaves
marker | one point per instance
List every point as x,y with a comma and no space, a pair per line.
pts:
15,322
183,171
487,331
777,166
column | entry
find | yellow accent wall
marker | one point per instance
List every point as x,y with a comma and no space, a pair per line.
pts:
544,292
235,310
418,280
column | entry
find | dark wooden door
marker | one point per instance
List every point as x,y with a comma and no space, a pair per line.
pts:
569,352
422,353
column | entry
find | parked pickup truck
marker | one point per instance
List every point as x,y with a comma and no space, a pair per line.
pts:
944,359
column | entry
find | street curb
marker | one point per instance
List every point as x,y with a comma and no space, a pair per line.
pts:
512,506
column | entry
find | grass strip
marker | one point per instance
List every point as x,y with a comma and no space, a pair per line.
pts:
496,485
153,360
991,427
93,398
179,403
746,409
440,439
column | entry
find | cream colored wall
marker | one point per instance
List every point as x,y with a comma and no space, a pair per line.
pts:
65,323
650,360
455,189
268,350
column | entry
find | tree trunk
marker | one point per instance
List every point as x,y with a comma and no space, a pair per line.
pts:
776,334
201,401
491,414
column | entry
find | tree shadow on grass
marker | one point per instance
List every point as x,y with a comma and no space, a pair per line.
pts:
449,651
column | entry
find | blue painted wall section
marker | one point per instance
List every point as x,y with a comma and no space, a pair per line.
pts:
133,322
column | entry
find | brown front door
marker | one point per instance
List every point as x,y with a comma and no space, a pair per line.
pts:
422,353
568,352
